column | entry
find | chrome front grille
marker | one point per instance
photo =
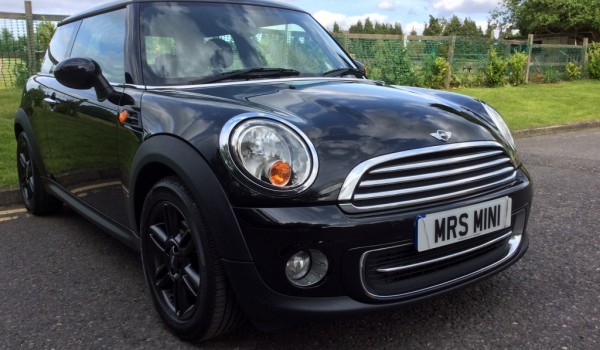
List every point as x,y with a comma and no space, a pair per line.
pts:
427,176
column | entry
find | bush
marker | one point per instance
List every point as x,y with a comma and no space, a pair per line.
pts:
434,72
21,74
594,61
517,64
467,79
551,75
573,71
495,70
392,65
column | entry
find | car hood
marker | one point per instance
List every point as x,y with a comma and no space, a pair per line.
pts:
350,120
358,119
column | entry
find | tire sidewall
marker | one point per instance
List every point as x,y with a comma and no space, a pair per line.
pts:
32,203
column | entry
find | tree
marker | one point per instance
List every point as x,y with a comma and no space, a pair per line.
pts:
454,27
7,41
336,28
397,29
434,28
413,31
549,16
470,28
369,28
357,28
45,30
489,32
376,28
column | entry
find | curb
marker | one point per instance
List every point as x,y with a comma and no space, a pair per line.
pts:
555,129
10,197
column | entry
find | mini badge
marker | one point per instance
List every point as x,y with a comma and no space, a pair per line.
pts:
442,135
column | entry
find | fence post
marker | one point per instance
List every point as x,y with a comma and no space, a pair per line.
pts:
450,59
585,54
529,50
30,38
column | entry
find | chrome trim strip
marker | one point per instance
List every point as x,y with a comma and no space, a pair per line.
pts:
513,244
433,261
375,195
351,208
354,176
224,148
427,176
422,165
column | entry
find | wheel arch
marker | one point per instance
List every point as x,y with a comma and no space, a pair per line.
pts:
163,155
23,124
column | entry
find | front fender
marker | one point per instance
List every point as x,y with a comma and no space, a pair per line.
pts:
187,163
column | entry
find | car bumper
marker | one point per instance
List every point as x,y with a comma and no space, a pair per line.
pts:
274,234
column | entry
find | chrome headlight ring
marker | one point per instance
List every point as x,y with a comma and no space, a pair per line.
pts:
268,154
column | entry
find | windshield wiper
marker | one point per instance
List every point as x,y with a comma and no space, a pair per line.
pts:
340,72
250,73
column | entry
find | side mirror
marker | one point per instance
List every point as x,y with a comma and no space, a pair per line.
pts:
361,67
83,74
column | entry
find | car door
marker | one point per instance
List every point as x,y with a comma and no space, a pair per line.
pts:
82,131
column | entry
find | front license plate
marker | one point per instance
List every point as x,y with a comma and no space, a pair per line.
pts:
456,225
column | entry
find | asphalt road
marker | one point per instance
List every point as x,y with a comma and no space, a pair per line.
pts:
64,284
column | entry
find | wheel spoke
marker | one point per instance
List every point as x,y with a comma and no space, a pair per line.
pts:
192,280
162,278
170,217
159,237
23,160
186,244
181,302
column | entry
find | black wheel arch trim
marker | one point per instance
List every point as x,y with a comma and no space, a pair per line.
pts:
23,124
195,172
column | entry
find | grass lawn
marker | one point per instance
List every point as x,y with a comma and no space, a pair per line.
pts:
523,107
9,102
539,105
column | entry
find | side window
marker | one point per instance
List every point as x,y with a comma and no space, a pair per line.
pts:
59,46
102,38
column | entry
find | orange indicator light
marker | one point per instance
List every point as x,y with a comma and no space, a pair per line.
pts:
123,116
280,173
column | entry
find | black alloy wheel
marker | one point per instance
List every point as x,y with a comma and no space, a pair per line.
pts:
35,198
173,259
181,265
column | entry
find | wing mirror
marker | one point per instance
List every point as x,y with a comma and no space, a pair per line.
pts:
85,73
361,67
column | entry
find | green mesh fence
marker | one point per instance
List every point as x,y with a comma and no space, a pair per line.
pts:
20,57
13,53
411,60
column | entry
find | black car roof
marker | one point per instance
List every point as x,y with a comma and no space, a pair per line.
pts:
117,4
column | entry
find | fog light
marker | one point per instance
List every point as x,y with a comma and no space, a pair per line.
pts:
306,267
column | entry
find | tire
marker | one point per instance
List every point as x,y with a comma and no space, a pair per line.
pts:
183,271
35,198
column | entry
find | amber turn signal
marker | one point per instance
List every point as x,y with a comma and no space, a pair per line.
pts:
280,173
123,116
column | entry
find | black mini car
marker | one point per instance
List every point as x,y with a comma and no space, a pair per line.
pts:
256,168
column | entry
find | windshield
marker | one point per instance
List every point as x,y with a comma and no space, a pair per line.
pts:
185,43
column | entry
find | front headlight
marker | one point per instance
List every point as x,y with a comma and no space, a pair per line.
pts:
268,153
500,124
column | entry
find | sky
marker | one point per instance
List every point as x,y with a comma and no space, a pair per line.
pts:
410,13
